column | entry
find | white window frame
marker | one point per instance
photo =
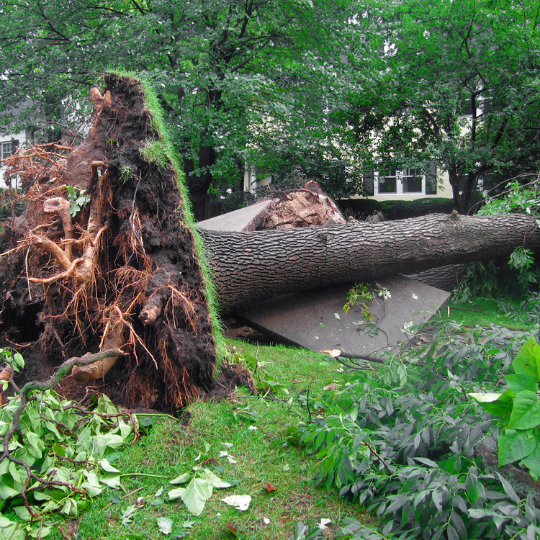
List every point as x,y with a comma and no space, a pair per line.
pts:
2,143
399,175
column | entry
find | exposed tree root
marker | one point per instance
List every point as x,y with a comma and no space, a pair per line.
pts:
117,273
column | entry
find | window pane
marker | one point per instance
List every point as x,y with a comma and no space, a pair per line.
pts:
5,150
387,184
412,184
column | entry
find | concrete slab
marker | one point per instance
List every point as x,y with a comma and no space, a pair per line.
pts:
316,319
242,220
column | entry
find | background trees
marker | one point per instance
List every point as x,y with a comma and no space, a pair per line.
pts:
297,87
462,81
217,64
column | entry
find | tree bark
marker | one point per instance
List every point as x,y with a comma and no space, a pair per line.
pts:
252,266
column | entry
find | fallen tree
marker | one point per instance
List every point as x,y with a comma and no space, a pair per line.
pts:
252,266
105,258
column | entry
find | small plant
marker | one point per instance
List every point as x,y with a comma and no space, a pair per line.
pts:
78,198
518,410
125,174
14,360
362,295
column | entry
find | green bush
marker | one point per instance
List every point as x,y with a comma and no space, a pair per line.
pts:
401,441
362,208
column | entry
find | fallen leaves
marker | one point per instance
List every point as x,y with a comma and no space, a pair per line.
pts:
240,502
269,487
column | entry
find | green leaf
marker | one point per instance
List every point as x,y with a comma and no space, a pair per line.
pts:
526,411
532,462
478,513
127,515
70,508
528,359
23,513
7,493
196,494
182,479
107,467
19,360
110,479
176,493
508,489
520,382
515,445
91,485
471,487
10,530
493,403
210,477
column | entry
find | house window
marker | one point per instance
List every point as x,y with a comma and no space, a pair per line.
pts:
388,181
5,149
411,180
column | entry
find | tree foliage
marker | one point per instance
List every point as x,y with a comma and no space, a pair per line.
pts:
462,80
297,88
217,64
404,441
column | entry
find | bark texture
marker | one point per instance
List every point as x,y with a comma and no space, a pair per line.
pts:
252,266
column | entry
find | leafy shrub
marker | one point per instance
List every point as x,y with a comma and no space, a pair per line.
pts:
401,441
518,409
519,274
56,454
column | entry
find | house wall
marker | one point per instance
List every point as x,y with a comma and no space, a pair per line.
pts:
22,138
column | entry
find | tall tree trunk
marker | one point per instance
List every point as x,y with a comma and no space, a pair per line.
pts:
252,266
198,184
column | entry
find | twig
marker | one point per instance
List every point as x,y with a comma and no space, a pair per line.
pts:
365,443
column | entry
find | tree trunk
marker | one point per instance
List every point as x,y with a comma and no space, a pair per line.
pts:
252,266
198,184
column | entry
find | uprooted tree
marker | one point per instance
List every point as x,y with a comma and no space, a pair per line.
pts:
104,258
120,272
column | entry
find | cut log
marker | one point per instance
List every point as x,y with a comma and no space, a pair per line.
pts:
256,265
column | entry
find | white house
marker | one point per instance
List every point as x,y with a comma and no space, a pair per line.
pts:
8,143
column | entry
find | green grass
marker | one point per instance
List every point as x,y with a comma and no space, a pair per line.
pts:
263,455
486,312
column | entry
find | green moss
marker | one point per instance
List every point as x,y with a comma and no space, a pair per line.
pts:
156,152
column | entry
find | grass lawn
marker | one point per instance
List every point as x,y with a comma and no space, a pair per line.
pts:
489,311
253,430
245,441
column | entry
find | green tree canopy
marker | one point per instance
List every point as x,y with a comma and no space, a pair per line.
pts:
221,67
461,87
